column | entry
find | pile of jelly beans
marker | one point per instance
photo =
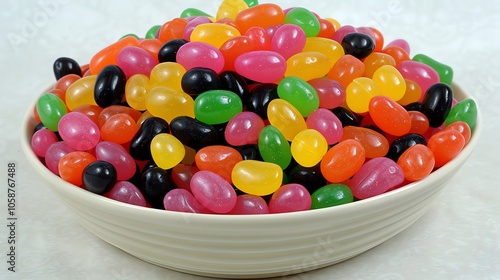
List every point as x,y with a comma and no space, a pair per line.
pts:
256,110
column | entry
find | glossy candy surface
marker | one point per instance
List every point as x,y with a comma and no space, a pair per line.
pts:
181,200
127,192
156,183
257,177
375,177
286,118
417,162
42,140
389,116
217,106
331,195
274,147
465,110
261,66
437,103
200,54
342,161
248,204
244,128
300,94
78,131
166,150
64,66
213,191
218,159
327,123
72,165
193,133
331,93
308,147
374,143
290,198
51,109
116,155
445,145
99,177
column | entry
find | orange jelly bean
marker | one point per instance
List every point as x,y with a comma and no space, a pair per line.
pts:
389,116
346,69
413,93
374,60
233,48
398,53
263,15
117,109
91,111
462,127
417,162
66,81
152,46
374,143
218,159
173,29
445,145
119,128
342,161
108,55
71,166
419,122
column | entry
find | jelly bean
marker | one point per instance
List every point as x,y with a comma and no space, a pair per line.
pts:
81,92
342,31
213,191
173,29
134,60
332,49
99,177
325,122
230,9
345,116
274,147
346,69
305,20
414,106
78,131
64,82
331,195
446,145
400,43
156,183
374,61
377,37
335,23
374,143
168,52
91,111
217,106
135,91
167,151
461,127
261,41
193,133
192,24
59,93
308,147
445,72
112,110
389,116
286,118
248,204
64,66
72,165
130,35
326,30
167,74
214,34
168,103
151,33
465,110
109,86
299,93
309,177
151,46
358,45
261,66
193,12
263,15
42,140
116,155
234,82
108,55
244,128
54,153
359,93
419,122
421,73
218,159
413,93
200,54
437,103
288,40
417,162
331,93
198,80
342,161
182,174
401,144
260,97
140,145
181,200
375,177
390,82
233,48
127,192
290,198
398,53
257,177
51,109
308,65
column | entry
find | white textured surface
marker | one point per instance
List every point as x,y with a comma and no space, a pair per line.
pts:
458,238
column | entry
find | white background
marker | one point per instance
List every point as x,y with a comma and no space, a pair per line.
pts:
458,238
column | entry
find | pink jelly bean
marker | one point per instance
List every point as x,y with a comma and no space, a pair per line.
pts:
54,153
343,30
127,192
134,60
288,40
79,131
244,128
326,123
375,177
181,200
200,54
402,43
261,66
271,30
192,25
290,198
213,191
421,73
249,204
330,92
42,140
116,155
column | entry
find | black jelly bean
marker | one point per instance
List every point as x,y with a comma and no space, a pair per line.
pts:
156,183
137,178
221,128
310,177
193,133
250,151
437,103
414,106
99,177
64,66
358,45
110,86
401,144
168,52
198,80
234,82
346,117
140,145
259,99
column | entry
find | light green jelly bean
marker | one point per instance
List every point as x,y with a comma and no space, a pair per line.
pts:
304,19
331,195
300,94
151,33
217,106
273,147
466,111
50,109
251,3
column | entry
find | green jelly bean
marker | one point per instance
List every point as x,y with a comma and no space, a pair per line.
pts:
130,34
444,71
300,94
217,106
304,19
251,3
151,34
273,147
331,195
193,12
466,111
50,108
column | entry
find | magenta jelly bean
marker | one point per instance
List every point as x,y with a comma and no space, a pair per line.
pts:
54,153
330,92
127,192
192,25
344,30
42,140
200,54
261,66
181,200
402,43
326,123
422,74
213,191
375,177
249,204
289,39
79,131
243,129
116,155
134,60
290,198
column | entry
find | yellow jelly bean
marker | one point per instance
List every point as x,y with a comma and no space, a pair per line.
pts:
214,34
257,177
81,92
167,74
167,151
135,91
359,93
230,9
308,147
307,65
390,82
286,118
332,49
168,103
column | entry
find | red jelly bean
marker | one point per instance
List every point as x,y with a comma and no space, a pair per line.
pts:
330,92
218,159
182,174
91,111
290,198
342,161
260,38
263,15
374,143
213,191
375,177
389,116
108,55
233,48
461,127
173,29
346,69
417,162
71,166
446,145
119,128
419,122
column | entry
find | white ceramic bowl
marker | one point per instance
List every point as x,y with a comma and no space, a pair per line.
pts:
250,246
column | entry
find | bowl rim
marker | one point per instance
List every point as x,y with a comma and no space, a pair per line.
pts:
62,187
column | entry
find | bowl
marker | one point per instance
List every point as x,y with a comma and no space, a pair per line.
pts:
250,246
